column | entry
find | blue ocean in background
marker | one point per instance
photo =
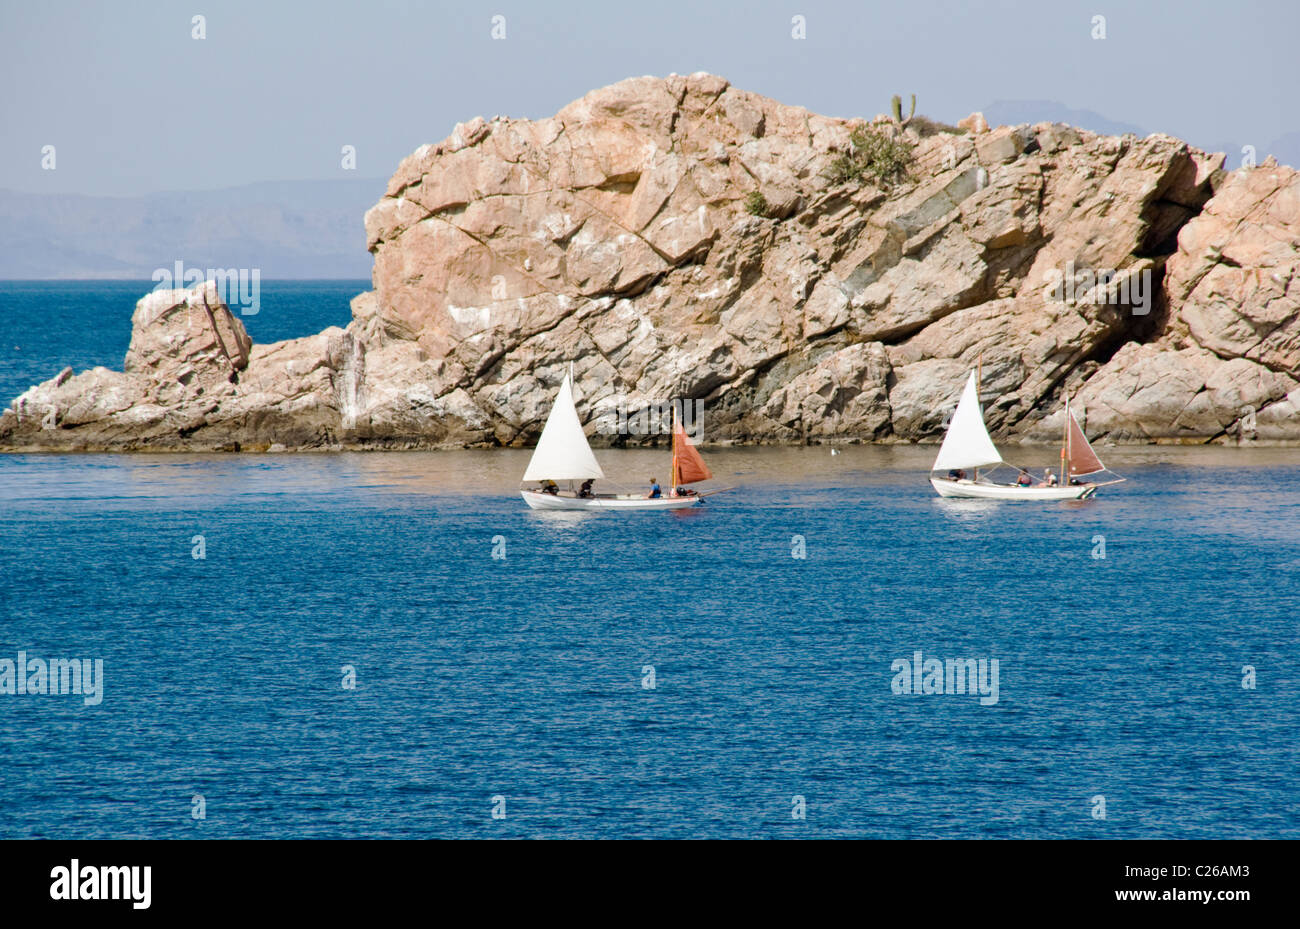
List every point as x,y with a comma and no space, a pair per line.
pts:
522,684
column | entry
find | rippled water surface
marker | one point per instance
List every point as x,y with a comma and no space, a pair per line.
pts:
524,677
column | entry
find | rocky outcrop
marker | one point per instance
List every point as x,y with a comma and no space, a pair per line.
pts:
623,236
192,380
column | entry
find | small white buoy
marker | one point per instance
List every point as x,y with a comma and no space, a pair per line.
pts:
835,451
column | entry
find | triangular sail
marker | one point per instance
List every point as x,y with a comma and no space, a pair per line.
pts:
690,467
1083,460
967,444
562,452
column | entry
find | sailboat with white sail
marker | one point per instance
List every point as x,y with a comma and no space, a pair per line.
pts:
967,446
563,454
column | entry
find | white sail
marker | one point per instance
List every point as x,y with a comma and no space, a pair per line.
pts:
967,444
562,452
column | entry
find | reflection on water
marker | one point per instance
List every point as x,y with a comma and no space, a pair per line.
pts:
966,512
557,520
1226,490
498,471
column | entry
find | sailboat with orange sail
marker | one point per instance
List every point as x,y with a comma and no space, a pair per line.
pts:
967,446
563,454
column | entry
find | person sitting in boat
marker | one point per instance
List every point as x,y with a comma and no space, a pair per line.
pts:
683,492
655,491
1024,480
585,490
550,487
1049,479
956,474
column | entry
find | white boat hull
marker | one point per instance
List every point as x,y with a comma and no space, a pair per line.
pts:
541,501
987,491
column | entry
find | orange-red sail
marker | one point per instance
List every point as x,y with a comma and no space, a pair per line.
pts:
690,467
1083,460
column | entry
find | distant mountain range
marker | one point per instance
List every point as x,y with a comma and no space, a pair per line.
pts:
1012,112
286,229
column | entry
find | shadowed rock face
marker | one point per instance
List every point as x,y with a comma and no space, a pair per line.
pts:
615,236
1227,359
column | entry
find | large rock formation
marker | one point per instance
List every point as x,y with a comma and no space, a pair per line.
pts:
623,236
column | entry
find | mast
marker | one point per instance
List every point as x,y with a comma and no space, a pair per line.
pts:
1065,445
571,387
673,476
979,375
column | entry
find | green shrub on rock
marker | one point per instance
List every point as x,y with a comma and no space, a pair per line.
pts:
874,153
756,204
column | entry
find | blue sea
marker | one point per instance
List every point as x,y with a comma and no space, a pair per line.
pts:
721,672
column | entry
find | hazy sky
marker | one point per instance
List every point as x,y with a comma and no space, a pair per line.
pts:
133,104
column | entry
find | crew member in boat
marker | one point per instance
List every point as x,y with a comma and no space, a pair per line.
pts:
550,487
1024,480
585,490
956,474
655,491
1049,479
